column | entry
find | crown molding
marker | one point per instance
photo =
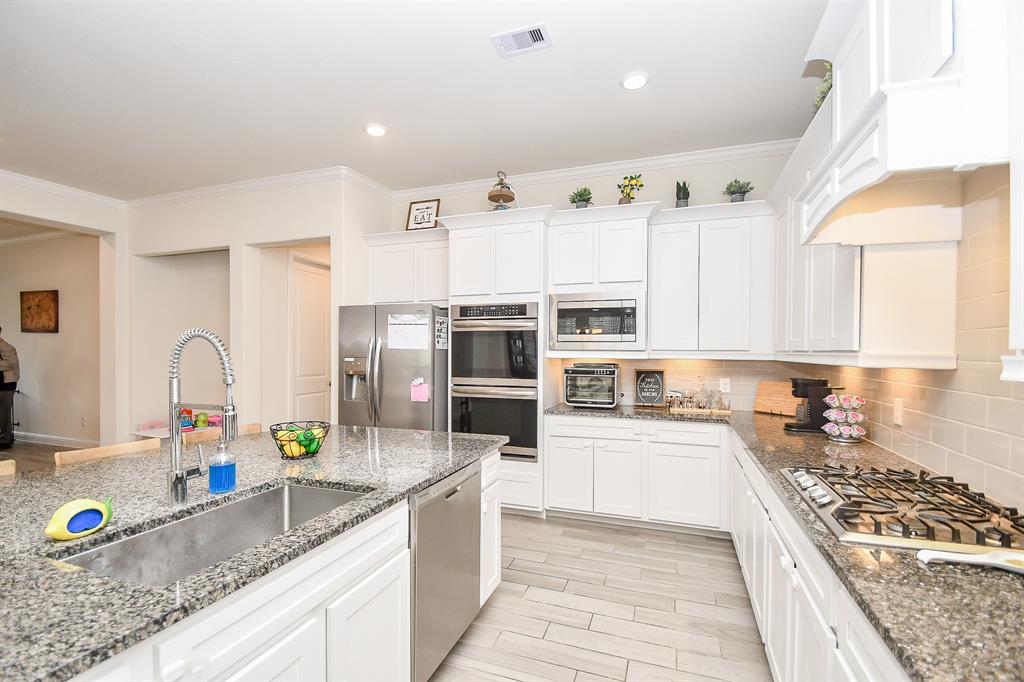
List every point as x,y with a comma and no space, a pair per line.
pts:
8,178
728,209
434,234
367,183
511,216
649,163
575,216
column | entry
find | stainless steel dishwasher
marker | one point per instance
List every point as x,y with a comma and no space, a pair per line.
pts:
445,541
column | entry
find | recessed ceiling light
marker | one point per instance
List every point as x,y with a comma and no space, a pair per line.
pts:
376,130
634,80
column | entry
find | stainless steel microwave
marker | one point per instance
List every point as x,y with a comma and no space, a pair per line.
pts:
591,322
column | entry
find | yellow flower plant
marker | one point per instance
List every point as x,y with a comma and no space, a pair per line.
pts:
631,184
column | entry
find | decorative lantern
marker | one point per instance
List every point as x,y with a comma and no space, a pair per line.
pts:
502,194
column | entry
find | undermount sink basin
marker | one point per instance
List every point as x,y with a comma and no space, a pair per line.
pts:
178,549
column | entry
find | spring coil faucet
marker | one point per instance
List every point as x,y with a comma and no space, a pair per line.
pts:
178,476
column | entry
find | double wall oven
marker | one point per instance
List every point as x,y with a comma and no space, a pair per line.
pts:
494,361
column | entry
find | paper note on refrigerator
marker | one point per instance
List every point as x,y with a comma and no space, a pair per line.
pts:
409,331
419,393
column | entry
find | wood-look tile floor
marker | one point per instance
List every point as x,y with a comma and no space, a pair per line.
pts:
31,456
586,602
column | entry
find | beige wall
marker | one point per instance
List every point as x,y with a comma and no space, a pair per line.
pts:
707,180
172,294
60,373
964,422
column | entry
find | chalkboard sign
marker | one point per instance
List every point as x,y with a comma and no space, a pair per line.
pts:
649,390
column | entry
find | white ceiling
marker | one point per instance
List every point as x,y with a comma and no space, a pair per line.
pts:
136,99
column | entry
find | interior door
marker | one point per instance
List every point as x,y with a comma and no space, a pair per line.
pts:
310,322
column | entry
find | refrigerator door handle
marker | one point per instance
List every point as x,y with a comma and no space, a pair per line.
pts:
369,379
376,375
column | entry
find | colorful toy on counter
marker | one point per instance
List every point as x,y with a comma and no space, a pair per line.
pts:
202,420
186,419
299,440
215,420
78,518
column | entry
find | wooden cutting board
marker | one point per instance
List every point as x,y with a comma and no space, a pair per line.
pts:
776,397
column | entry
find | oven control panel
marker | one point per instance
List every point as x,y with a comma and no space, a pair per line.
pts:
498,310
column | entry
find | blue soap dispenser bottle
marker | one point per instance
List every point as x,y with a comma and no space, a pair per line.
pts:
222,470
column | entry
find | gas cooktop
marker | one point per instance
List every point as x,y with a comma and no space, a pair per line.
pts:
899,508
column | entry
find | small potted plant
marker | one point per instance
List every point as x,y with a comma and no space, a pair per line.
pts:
737,190
682,194
631,184
581,197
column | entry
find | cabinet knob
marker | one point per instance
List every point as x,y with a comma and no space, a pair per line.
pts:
174,671
602,445
196,665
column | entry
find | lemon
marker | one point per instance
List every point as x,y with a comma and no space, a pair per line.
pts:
293,449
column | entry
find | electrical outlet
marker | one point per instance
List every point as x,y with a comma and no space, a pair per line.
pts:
725,385
897,411
83,421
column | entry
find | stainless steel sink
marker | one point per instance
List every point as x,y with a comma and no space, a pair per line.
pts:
168,553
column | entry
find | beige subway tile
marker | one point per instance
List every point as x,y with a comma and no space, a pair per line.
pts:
986,183
998,343
917,424
968,408
988,446
1006,415
944,379
910,394
879,435
983,312
983,377
988,245
999,275
1004,486
948,434
966,470
973,345
1017,455
904,444
972,282
934,401
931,456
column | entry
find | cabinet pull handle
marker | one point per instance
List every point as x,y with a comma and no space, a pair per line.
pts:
175,671
196,665
602,445
784,562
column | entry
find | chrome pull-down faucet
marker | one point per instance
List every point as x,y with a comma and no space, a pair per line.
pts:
178,476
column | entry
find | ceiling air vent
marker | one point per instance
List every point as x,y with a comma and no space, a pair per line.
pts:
522,40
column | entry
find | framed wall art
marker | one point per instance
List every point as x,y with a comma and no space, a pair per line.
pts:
649,389
40,312
423,214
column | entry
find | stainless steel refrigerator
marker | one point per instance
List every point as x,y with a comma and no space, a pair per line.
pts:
394,366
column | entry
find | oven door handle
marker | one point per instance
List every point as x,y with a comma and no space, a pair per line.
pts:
494,392
493,325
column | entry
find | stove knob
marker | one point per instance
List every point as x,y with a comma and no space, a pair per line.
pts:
822,500
799,473
806,482
814,490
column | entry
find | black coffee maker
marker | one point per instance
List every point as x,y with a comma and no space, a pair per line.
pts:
811,412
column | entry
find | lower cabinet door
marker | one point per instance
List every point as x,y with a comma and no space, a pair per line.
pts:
297,655
778,606
683,484
619,478
490,540
368,626
570,473
758,535
814,643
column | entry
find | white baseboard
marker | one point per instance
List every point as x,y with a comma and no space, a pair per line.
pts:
59,441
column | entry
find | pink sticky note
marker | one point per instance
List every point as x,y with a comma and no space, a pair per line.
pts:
419,393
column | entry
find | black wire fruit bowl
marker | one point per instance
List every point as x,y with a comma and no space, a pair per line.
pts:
299,440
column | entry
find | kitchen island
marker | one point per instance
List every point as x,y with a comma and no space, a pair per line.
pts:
58,620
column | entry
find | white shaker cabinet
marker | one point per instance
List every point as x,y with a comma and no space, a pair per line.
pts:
490,526
778,603
618,478
834,298
725,294
369,629
470,257
297,656
408,267
672,288
497,254
598,249
570,473
684,483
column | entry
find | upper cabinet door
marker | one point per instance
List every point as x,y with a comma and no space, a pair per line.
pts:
432,271
393,273
622,251
470,253
672,290
518,258
782,261
834,298
571,254
725,285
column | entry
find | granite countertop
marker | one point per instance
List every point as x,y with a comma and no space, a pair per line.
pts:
941,621
57,620
633,412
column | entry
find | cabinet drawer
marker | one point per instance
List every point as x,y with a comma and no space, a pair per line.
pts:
206,645
593,428
489,469
520,484
685,433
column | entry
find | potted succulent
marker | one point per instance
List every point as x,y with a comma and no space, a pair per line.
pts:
737,190
581,197
631,184
682,194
